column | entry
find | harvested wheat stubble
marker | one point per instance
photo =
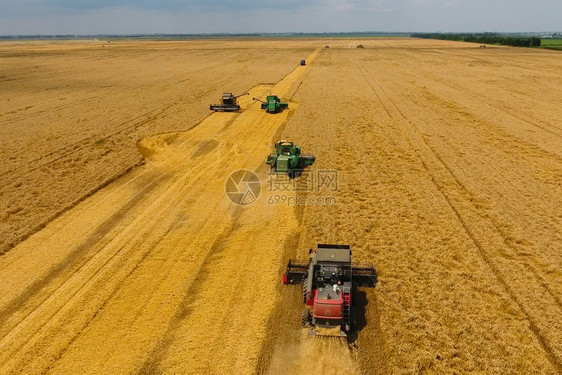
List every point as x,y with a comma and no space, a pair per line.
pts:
71,114
449,181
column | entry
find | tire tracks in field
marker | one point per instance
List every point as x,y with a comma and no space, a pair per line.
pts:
544,342
4,249
285,333
357,350
189,290
544,283
134,126
153,363
101,307
377,351
97,97
172,191
499,131
472,196
77,255
73,104
149,116
102,230
488,102
482,251
209,89
62,304
66,264
73,204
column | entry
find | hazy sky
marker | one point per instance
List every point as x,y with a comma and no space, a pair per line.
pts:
243,16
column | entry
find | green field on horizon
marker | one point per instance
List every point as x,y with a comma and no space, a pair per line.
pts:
552,43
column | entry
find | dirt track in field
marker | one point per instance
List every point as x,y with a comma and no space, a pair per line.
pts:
449,163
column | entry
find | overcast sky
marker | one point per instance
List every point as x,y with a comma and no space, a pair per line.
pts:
246,16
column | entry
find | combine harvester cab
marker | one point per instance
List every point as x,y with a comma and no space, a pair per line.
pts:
287,158
329,280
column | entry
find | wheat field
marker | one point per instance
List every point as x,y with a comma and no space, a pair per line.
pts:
121,252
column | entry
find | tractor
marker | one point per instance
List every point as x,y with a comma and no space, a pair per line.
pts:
287,158
329,280
228,103
272,104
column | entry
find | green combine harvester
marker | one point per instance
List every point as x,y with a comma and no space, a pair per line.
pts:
272,104
288,159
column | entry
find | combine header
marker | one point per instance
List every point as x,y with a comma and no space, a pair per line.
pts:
228,103
272,104
329,280
287,158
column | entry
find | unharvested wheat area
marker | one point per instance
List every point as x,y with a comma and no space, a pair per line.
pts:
121,253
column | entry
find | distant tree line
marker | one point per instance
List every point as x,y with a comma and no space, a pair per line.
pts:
484,38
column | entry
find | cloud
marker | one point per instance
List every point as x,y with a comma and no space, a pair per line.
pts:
175,5
240,16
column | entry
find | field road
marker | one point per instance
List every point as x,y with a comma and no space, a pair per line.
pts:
449,180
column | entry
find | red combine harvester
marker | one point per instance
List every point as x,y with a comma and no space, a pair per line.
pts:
328,280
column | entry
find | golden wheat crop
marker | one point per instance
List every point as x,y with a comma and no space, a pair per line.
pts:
449,180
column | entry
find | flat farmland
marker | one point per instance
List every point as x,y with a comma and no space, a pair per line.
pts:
122,253
71,114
